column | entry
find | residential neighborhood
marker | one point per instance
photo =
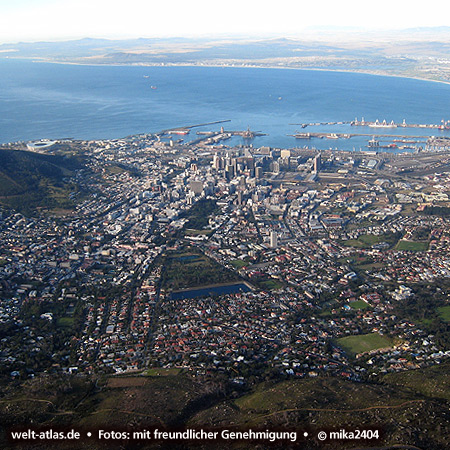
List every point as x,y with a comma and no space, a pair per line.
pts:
241,260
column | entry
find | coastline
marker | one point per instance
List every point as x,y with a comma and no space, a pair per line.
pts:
279,129
229,65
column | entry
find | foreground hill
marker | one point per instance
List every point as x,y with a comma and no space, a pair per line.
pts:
31,180
403,411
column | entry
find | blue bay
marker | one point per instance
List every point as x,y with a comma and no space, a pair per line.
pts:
42,100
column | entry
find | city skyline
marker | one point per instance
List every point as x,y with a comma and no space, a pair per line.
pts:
194,242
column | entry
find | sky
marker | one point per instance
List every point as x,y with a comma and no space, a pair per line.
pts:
53,20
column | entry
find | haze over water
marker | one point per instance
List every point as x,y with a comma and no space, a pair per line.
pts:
39,100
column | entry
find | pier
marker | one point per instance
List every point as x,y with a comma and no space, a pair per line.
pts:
247,134
186,129
213,137
315,124
444,125
399,141
348,136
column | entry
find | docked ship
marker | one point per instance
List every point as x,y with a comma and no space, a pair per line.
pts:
383,124
445,125
302,135
179,132
373,143
405,141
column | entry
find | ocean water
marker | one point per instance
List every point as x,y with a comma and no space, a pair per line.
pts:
43,100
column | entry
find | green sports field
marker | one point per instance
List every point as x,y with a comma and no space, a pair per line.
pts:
364,343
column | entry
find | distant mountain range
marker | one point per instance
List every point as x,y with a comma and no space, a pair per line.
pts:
415,52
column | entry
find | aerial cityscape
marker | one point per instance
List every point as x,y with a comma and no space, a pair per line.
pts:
199,250
202,260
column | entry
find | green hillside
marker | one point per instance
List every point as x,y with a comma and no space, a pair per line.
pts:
32,180
405,411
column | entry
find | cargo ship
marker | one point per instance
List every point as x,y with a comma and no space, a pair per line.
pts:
383,124
302,136
179,132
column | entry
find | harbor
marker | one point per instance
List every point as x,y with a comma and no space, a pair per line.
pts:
334,135
444,125
379,136
382,136
209,137
184,130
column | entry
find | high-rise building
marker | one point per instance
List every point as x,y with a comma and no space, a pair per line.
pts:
239,198
273,239
196,186
216,162
229,172
317,163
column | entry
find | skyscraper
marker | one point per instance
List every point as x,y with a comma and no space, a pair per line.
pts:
317,163
273,239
